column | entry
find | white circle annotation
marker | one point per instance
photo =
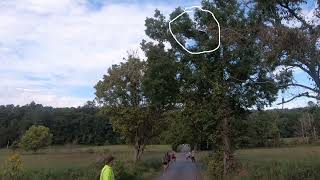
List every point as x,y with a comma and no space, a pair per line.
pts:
187,10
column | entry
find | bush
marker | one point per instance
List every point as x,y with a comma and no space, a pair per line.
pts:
35,138
12,168
123,171
215,165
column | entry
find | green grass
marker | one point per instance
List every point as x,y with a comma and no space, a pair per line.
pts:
300,162
260,163
263,155
64,157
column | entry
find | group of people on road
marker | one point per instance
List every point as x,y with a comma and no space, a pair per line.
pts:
191,155
171,157
167,159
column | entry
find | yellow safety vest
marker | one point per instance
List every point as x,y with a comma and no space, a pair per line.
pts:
107,173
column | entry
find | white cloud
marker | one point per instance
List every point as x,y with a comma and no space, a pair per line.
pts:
23,96
51,47
65,42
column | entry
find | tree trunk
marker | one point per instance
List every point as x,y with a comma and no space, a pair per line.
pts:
195,147
138,150
315,137
302,129
227,153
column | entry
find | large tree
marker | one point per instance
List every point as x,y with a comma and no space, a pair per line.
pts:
121,94
293,39
233,78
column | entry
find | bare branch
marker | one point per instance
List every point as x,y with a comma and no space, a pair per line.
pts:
292,12
306,94
304,86
300,66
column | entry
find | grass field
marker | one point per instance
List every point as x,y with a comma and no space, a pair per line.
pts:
287,154
79,162
299,162
275,163
63,157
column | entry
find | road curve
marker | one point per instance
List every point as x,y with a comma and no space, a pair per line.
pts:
182,169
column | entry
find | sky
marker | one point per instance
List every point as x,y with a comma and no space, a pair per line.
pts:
53,52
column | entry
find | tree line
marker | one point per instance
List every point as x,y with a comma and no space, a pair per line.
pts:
86,125
81,125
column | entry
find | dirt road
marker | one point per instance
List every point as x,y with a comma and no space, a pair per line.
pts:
182,169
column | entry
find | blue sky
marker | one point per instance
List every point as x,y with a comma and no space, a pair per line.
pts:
54,51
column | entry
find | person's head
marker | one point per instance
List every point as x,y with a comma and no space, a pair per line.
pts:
108,160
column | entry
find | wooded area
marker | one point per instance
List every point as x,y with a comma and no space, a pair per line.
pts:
86,125
82,125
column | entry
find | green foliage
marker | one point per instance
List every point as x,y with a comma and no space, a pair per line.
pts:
279,127
215,89
12,168
121,94
215,165
262,126
35,138
121,87
82,125
196,127
161,87
292,46
122,171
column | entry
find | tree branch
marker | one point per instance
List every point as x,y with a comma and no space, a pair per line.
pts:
306,94
253,81
303,86
301,67
293,12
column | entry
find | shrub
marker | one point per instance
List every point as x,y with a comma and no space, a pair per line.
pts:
123,171
35,138
215,165
12,168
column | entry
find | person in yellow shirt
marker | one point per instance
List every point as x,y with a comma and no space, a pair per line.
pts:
107,172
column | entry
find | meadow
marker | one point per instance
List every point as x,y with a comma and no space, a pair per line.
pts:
295,162
79,162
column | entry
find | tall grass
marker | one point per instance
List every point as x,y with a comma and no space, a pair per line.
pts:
294,163
78,162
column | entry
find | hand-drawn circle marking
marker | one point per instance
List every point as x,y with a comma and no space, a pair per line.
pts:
186,10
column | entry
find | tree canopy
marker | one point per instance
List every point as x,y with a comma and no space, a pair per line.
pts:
231,79
35,138
123,98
